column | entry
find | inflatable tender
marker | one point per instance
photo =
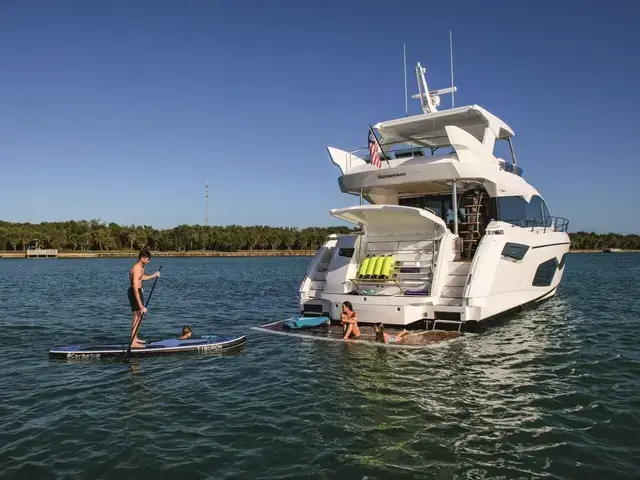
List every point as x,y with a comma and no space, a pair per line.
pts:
306,322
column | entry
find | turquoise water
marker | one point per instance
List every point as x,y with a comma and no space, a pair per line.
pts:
549,392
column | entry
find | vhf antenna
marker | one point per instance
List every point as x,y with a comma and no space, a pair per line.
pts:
406,103
453,91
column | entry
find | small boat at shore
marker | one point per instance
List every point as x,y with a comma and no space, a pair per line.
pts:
207,343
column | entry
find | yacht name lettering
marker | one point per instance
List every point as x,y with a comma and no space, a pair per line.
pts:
389,175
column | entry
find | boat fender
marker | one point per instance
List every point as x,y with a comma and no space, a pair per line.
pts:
386,267
378,266
363,267
370,267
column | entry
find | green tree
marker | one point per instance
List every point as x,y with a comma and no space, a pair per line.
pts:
96,234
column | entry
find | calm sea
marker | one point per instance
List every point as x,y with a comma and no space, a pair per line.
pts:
551,392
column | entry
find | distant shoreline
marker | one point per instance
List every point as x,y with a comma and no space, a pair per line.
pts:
190,253
600,251
211,253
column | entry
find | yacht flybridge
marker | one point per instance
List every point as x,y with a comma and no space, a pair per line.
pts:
451,236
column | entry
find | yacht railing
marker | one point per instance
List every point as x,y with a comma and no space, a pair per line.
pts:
511,168
414,151
387,155
554,224
395,153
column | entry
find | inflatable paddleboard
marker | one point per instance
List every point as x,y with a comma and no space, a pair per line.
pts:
306,322
209,343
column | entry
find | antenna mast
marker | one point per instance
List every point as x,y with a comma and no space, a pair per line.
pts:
406,101
206,202
430,99
453,94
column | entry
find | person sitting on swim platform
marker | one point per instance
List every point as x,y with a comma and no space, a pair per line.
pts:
186,333
349,321
384,337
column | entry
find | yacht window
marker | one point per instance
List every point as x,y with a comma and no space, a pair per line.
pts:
517,251
441,205
501,150
434,205
410,202
517,211
534,210
545,273
512,210
545,210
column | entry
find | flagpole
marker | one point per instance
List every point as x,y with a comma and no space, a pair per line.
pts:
379,146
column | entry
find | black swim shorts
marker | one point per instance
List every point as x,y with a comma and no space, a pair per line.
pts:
132,299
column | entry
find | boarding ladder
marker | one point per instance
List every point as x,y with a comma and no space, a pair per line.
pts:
472,229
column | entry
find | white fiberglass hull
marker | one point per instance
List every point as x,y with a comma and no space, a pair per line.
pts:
513,268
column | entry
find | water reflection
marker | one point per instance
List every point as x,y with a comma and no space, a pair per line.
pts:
548,392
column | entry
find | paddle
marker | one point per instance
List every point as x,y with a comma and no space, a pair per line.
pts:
140,322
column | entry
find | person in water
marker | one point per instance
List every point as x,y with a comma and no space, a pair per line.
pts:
186,333
349,321
384,337
136,299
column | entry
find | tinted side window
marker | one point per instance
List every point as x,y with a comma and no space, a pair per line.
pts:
533,210
512,209
518,211
545,210
517,251
545,272
411,202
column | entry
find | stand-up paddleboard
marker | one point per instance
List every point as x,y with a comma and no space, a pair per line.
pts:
209,343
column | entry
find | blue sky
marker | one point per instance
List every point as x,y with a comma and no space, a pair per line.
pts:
120,110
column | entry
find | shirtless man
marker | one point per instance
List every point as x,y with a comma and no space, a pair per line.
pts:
136,300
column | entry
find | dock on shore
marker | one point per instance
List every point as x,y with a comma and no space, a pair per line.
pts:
41,252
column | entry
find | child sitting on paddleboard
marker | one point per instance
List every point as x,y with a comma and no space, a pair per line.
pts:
349,321
384,337
186,333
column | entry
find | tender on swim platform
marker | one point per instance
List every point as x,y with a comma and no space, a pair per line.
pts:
327,332
305,322
209,343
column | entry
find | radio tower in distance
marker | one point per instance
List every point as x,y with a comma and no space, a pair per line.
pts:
206,202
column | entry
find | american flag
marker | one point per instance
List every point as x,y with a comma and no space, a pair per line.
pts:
373,149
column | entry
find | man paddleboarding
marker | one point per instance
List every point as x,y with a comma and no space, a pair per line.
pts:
136,300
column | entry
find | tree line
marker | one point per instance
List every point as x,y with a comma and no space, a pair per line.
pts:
98,235
598,241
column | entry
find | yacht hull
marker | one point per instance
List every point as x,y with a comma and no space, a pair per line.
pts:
513,268
451,239
518,267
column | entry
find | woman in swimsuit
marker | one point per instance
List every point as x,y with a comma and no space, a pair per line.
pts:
349,321
384,337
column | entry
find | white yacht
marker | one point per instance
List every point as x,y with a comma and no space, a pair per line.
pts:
450,235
